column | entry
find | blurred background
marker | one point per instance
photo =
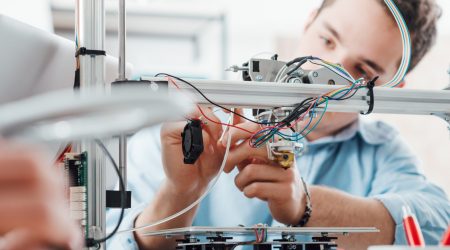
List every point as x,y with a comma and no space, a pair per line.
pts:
200,38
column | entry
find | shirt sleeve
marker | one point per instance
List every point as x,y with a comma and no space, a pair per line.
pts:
145,175
398,182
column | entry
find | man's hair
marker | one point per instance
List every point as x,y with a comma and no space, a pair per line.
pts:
421,17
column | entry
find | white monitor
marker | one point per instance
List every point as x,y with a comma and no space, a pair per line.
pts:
33,61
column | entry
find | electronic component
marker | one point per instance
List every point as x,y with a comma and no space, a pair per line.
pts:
271,70
222,238
75,168
192,141
279,149
283,147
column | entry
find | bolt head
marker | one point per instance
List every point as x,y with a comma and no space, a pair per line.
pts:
315,74
259,77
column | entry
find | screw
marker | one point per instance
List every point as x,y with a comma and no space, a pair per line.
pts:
295,80
315,74
259,78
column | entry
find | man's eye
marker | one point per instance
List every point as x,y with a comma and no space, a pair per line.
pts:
361,72
327,42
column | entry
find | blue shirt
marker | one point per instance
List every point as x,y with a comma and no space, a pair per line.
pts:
368,159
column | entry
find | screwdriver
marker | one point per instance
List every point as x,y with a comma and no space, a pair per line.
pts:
446,240
413,233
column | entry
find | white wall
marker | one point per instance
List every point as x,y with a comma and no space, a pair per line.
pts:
34,12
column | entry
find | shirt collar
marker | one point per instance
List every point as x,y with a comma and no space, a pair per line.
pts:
371,131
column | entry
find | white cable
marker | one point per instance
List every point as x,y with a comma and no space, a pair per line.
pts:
321,63
200,199
280,73
406,42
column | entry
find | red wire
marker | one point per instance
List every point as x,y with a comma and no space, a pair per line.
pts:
206,117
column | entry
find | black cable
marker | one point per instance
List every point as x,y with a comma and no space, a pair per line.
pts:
91,242
213,103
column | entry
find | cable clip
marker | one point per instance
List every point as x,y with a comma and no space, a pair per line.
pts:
83,51
371,102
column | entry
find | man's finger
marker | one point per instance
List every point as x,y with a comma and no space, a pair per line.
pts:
263,190
211,123
244,152
262,173
238,116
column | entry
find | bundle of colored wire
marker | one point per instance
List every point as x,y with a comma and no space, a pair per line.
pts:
308,106
406,41
260,235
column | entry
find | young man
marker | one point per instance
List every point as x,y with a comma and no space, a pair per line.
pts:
33,210
360,173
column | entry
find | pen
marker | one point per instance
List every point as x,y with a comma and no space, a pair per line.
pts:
446,240
413,233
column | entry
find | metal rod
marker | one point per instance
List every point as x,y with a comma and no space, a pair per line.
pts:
122,77
122,40
123,159
235,94
91,35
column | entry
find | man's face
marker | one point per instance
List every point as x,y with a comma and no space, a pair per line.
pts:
359,35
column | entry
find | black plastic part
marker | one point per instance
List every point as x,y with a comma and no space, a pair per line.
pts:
113,199
370,94
91,52
188,239
324,239
218,238
290,247
219,246
255,66
192,141
262,247
245,73
91,243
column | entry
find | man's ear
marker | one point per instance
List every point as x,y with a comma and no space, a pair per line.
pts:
312,16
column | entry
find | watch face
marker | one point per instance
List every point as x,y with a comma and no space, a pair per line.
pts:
187,142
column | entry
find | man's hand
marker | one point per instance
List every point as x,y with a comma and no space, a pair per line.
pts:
184,183
186,178
261,178
33,212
